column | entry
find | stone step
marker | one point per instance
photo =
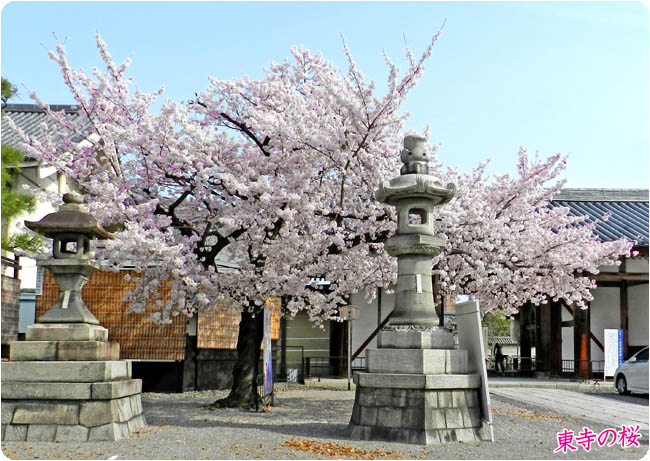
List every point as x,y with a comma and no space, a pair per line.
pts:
71,432
65,332
409,337
89,413
70,391
423,416
417,381
417,361
65,372
63,350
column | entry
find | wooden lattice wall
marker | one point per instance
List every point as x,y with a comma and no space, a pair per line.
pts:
219,329
138,337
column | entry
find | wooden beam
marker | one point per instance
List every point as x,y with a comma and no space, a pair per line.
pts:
618,277
598,343
372,335
633,284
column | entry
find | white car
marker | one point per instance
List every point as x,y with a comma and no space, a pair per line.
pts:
632,375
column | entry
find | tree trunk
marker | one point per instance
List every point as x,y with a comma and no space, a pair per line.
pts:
244,386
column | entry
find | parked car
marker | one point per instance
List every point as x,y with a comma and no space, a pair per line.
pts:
632,375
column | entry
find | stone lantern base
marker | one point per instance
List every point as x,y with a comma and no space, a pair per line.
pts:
414,391
66,383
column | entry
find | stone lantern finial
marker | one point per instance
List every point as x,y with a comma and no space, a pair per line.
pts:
415,155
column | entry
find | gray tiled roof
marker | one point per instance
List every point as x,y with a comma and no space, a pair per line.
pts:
29,118
627,210
504,340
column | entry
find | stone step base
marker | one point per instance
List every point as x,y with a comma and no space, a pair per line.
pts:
420,437
417,381
70,432
409,337
63,350
45,420
65,332
70,391
418,361
416,415
66,372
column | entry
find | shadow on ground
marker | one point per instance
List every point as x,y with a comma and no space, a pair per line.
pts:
291,416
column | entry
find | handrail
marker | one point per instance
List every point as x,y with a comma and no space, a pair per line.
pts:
15,263
372,336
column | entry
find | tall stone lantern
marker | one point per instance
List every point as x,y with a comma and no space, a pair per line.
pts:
414,193
71,228
65,382
416,387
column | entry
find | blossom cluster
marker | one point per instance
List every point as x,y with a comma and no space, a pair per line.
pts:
277,176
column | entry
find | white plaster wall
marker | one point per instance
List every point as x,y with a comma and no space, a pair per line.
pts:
39,181
567,336
367,321
638,315
637,265
368,317
605,313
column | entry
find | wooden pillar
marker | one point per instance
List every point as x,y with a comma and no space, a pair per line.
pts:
524,336
556,338
623,294
581,343
624,316
543,344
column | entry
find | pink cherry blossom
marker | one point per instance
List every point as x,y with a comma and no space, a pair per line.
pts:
279,175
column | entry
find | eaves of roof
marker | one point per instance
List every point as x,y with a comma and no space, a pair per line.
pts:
616,213
30,118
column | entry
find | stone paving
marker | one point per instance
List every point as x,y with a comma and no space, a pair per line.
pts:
594,407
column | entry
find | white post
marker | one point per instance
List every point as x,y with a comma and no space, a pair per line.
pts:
349,351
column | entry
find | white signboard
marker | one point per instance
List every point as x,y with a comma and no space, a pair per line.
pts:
613,350
470,338
39,281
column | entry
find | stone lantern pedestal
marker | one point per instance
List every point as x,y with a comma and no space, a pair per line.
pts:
66,382
416,387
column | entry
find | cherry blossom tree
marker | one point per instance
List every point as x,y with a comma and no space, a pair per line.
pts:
280,174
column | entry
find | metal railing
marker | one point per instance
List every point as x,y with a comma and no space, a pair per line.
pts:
593,367
514,363
294,370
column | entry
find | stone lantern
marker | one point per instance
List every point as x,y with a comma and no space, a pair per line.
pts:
65,382
416,387
414,193
71,229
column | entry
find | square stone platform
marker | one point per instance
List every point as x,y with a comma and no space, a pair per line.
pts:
65,383
417,389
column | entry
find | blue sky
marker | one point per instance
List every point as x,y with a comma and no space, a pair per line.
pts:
553,76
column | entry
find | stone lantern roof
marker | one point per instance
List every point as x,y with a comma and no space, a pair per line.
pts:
70,218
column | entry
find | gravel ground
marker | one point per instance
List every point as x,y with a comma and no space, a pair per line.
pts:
310,423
